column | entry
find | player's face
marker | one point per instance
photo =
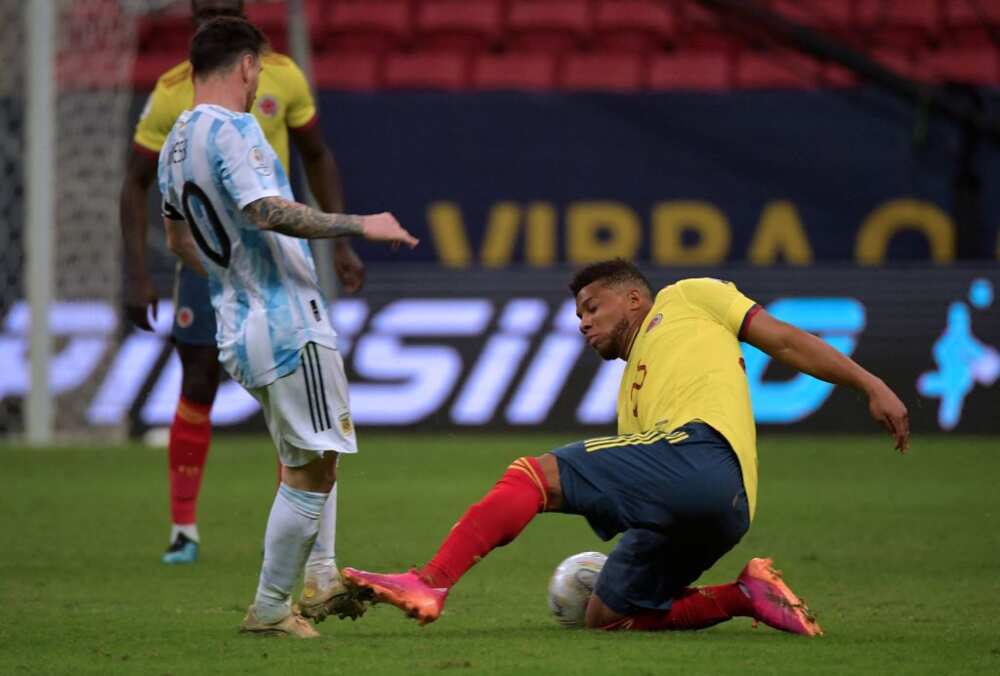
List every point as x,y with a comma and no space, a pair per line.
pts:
604,321
203,11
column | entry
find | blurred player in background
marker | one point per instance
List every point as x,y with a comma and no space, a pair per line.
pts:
679,480
284,108
229,213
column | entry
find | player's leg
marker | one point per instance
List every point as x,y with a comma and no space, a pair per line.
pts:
323,592
191,429
528,487
292,526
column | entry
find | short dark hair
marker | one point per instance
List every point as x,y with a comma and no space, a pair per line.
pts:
614,271
220,42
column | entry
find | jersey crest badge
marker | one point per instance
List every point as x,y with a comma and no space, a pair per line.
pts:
259,162
346,426
268,106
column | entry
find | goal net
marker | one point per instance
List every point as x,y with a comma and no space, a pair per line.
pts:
93,54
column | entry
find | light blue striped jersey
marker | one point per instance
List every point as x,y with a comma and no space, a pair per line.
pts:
267,299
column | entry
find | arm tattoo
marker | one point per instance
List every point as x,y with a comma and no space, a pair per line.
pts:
298,220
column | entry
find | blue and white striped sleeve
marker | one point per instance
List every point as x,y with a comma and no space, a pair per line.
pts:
245,161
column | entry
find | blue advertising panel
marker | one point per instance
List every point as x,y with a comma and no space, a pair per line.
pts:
442,350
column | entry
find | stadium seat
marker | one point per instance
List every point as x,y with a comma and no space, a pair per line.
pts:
835,16
517,71
148,68
426,70
459,25
900,62
347,71
971,22
595,71
834,75
272,19
776,70
899,24
689,70
553,26
165,32
701,28
633,25
969,65
368,25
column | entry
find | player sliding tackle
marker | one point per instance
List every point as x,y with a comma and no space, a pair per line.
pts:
229,213
680,479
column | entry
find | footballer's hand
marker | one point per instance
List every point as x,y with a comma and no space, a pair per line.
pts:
385,228
140,301
890,412
348,266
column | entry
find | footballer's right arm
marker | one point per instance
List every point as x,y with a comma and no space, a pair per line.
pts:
141,296
298,220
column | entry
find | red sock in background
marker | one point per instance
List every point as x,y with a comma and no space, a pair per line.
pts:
693,608
497,519
190,435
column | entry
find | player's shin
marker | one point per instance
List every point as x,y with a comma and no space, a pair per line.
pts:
520,494
321,566
190,436
291,531
692,608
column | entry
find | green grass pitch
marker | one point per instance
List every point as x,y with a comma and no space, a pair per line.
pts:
899,556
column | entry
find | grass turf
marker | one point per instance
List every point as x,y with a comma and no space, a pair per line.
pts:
899,556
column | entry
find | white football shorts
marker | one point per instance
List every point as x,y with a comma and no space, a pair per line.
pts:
308,411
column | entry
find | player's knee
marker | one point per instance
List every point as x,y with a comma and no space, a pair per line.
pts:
598,615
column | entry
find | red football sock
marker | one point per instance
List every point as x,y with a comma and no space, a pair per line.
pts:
494,521
190,435
693,608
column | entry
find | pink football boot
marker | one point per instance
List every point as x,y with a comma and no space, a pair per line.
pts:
406,591
773,602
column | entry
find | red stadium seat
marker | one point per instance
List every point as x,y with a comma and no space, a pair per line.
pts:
517,71
776,70
969,65
549,25
690,70
826,15
701,28
426,70
148,68
368,25
595,71
900,62
459,25
633,25
834,75
969,22
166,32
272,19
347,71
899,24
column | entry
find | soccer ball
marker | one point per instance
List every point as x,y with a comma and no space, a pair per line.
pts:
571,586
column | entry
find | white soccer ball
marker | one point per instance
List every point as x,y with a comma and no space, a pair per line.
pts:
572,585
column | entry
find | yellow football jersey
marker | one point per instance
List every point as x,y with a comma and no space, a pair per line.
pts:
283,101
685,364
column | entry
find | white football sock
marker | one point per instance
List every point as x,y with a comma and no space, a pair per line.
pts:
190,530
291,531
322,561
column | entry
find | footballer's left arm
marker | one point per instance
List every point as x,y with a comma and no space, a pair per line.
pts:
809,354
324,182
181,242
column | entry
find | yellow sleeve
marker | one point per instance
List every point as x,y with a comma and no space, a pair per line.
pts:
301,106
157,119
721,301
